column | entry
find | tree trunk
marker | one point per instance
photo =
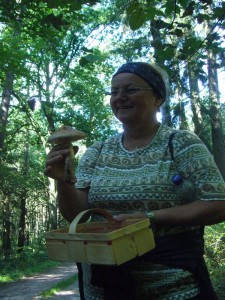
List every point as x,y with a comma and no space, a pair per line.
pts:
196,108
22,223
4,109
48,112
195,100
53,205
215,115
157,44
216,120
180,107
6,232
166,117
23,210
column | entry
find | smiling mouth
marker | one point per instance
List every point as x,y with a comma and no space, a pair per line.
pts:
124,107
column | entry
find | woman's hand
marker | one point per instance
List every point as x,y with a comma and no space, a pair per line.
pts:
55,162
134,215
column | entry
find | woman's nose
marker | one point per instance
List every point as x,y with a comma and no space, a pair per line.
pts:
122,94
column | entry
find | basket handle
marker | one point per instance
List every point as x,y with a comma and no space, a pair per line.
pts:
73,225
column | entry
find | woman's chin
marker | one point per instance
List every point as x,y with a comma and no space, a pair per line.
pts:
124,115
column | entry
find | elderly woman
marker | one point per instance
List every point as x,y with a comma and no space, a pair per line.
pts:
153,171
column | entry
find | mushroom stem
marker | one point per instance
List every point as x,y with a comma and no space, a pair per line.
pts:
70,166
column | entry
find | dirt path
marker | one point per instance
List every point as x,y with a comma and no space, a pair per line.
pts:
30,288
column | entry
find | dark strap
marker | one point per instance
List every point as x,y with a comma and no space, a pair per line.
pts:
170,144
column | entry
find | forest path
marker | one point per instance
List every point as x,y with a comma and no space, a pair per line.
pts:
30,287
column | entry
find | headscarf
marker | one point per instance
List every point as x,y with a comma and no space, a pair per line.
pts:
147,73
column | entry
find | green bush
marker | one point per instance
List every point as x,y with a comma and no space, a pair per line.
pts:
215,256
31,260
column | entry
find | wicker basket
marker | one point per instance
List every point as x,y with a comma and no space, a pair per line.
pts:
109,242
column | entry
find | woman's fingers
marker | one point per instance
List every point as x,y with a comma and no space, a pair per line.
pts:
55,162
134,215
55,159
47,171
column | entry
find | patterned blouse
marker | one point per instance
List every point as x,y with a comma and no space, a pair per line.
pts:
123,181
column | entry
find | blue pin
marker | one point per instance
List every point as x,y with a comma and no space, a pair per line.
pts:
177,179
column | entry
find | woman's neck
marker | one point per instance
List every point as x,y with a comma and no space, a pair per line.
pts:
139,136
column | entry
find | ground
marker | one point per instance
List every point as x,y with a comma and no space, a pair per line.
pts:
31,287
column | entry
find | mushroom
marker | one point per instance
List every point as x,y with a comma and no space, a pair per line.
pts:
65,135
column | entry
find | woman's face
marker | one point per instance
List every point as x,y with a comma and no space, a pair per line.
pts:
130,104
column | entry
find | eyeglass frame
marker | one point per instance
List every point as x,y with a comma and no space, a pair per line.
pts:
135,89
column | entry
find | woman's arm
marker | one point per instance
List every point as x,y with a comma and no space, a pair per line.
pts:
197,213
71,200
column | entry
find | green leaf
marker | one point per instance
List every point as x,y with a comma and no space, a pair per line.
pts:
85,49
152,12
92,57
169,8
178,32
48,104
181,56
75,5
83,61
191,45
202,17
132,8
166,54
137,18
184,3
89,58
219,12
52,3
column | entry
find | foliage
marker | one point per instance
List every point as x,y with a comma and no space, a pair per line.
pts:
215,256
31,260
85,104
215,237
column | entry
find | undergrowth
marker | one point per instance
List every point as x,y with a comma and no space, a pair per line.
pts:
215,256
28,262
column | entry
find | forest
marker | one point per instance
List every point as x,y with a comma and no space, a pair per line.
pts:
57,58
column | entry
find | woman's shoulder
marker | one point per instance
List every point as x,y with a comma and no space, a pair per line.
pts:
112,140
182,141
180,135
186,139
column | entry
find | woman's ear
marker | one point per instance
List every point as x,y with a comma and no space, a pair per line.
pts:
159,102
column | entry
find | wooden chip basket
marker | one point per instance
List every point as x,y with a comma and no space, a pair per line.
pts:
108,242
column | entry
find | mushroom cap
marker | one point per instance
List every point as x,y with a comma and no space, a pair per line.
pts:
66,134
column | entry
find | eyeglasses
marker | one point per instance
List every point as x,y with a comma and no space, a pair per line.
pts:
127,91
